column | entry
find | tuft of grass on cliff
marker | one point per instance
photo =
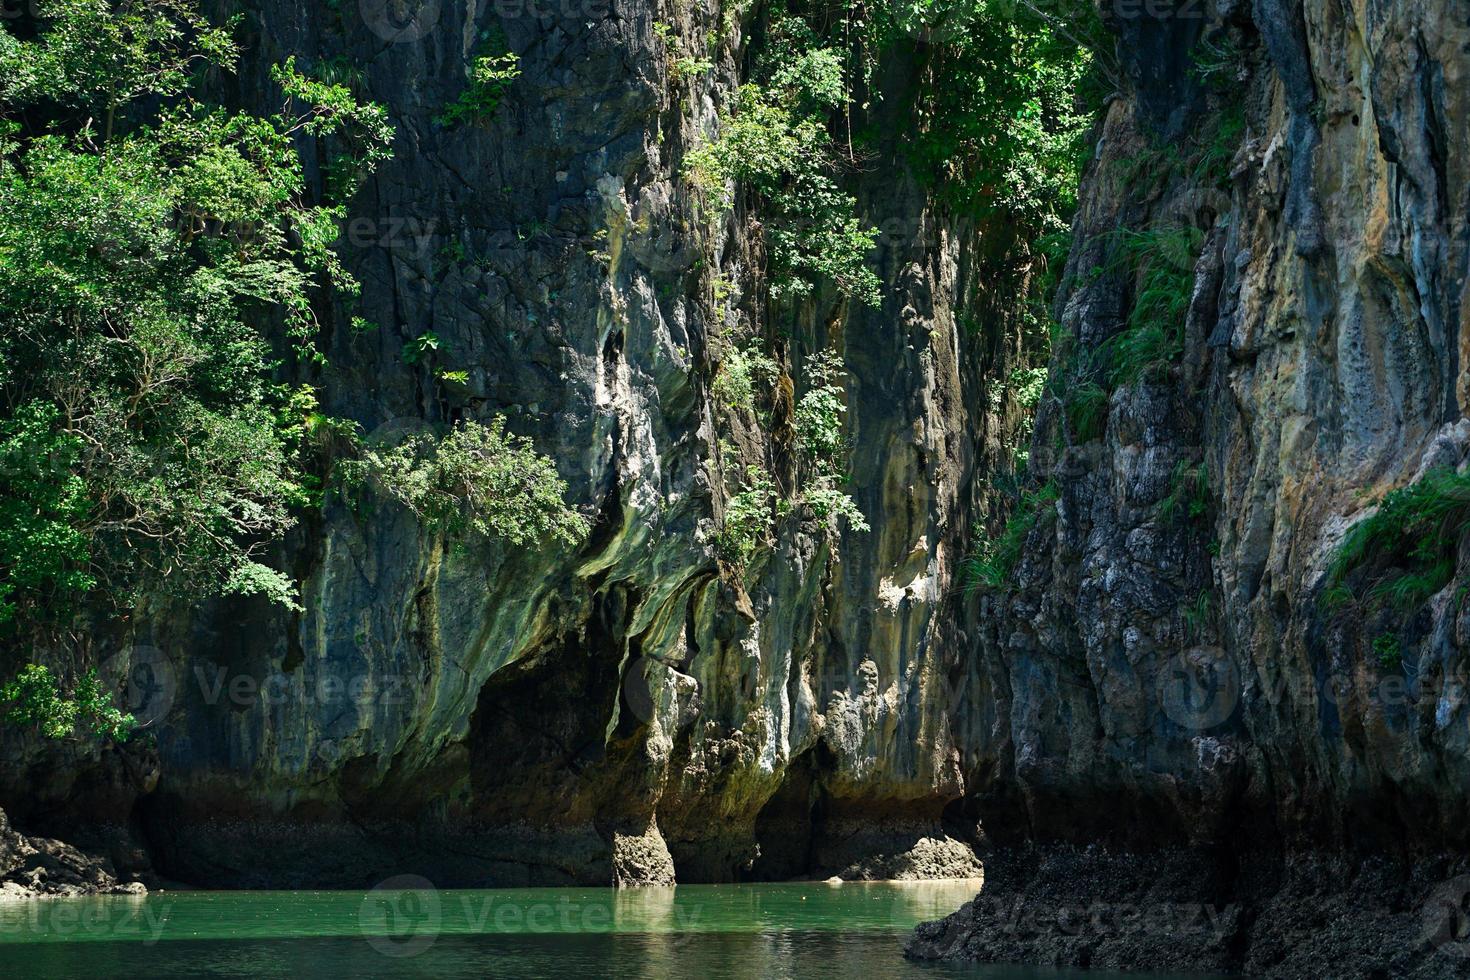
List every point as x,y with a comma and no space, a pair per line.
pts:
1405,552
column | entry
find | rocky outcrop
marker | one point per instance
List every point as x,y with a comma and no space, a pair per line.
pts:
1200,911
1174,681
631,710
1182,666
32,867
1163,680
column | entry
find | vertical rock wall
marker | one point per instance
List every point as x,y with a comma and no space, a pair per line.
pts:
1321,367
1174,682
629,710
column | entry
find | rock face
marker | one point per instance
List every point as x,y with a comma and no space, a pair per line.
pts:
33,867
1162,675
1195,911
1320,368
1171,680
627,711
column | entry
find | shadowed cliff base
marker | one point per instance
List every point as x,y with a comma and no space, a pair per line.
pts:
296,854
1306,915
800,834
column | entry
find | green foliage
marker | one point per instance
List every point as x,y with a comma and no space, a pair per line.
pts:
478,479
34,698
1001,110
140,267
996,117
1189,494
1047,261
451,255
741,370
1409,590
1197,615
819,414
749,517
1028,384
774,142
996,126
818,423
1388,650
993,560
1213,158
1405,552
421,347
100,56
43,551
96,710
1217,64
750,514
1024,387
493,70
831,505
1086,406
1216,60
1161,261
683,68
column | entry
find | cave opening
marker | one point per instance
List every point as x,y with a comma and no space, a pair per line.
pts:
788,827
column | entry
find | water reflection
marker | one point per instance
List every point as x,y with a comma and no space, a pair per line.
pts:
706,932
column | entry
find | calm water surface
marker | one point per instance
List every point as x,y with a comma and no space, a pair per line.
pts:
706,932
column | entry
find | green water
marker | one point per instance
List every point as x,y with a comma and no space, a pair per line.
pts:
699,931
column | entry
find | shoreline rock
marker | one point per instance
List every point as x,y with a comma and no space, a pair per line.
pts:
41,867
1205,910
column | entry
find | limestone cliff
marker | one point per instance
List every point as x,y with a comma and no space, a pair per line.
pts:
632,710
1180,664
1163,667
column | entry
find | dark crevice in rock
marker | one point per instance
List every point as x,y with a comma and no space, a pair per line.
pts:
789,825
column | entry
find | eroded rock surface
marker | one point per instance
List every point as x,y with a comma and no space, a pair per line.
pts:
1175,683
627,711
1162,680
38,867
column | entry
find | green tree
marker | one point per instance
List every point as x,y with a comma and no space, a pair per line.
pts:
150,244
476,479
154,249
1003,104
33,698
774,143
